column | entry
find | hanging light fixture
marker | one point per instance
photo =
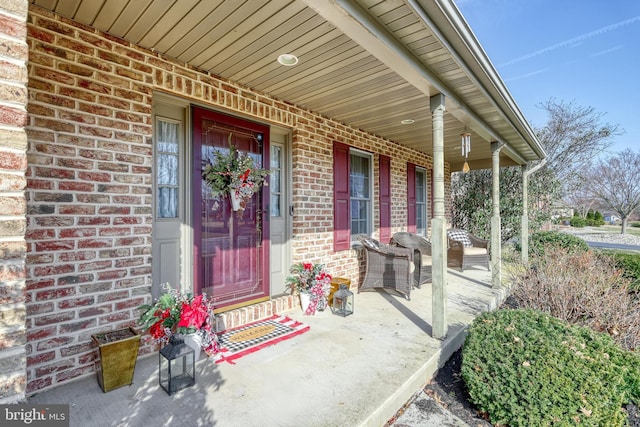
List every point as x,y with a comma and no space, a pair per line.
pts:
465,140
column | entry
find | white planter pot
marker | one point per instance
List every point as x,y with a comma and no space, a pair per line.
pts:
236,202
305,300
195,342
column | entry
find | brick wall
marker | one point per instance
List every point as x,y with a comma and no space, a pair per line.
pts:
89,186
13,207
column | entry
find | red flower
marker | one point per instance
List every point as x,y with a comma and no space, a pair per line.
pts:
245,175
157,330
194,314
323,276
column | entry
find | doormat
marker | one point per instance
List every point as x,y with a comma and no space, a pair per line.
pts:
237,342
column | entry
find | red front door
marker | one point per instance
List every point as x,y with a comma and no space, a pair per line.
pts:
230,259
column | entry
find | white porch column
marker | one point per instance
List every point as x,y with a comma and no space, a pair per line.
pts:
438,223
496,239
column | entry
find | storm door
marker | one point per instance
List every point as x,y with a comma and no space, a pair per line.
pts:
230,249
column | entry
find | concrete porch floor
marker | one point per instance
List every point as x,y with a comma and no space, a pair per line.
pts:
353,371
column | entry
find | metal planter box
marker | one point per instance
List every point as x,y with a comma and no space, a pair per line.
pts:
118,355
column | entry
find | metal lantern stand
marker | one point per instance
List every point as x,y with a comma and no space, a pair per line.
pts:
342,303
176,366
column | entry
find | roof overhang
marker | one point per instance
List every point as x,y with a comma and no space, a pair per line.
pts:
369,64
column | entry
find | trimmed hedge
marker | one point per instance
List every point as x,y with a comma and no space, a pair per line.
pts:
541,239
527,368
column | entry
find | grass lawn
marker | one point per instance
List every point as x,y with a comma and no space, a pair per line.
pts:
618,228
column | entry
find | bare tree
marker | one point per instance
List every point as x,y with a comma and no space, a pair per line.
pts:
616,182
580,198
573,137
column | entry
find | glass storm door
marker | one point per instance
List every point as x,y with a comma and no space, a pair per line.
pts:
230,259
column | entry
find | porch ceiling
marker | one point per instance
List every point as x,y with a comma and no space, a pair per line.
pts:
367,63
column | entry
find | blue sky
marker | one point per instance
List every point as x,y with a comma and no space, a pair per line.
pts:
581,51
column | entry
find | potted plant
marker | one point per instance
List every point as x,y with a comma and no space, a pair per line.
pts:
118,354
234,173
312,283
182,316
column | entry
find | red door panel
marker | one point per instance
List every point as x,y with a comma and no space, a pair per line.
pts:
229,258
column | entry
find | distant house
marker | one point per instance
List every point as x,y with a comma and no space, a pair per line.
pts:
611,218
561,210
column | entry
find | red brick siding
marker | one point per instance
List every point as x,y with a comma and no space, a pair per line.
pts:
13,204
89,191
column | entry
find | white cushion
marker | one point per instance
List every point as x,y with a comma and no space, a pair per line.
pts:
475,251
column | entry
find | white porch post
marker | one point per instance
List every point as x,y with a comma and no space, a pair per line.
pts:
496,239
438,223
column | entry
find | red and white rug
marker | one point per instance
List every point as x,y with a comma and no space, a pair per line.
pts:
237,342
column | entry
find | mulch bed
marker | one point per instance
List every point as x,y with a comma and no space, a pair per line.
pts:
448,389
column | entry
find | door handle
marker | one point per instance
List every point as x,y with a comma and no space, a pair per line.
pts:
291,210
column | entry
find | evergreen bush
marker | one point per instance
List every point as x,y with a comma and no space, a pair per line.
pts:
542,240
629,263
526,368
578,222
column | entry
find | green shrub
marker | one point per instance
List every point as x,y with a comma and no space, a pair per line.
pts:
635,224
629,263
541,240
526,368
598,219
578,222
598,216
594,219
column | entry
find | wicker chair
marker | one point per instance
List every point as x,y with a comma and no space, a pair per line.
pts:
421,254
387,267
466,250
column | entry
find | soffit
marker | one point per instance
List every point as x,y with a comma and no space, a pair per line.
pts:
366,63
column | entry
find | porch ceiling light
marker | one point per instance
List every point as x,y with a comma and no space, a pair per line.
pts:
287,59
407,121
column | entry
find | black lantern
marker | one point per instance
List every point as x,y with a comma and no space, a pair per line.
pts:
177,366
342,303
